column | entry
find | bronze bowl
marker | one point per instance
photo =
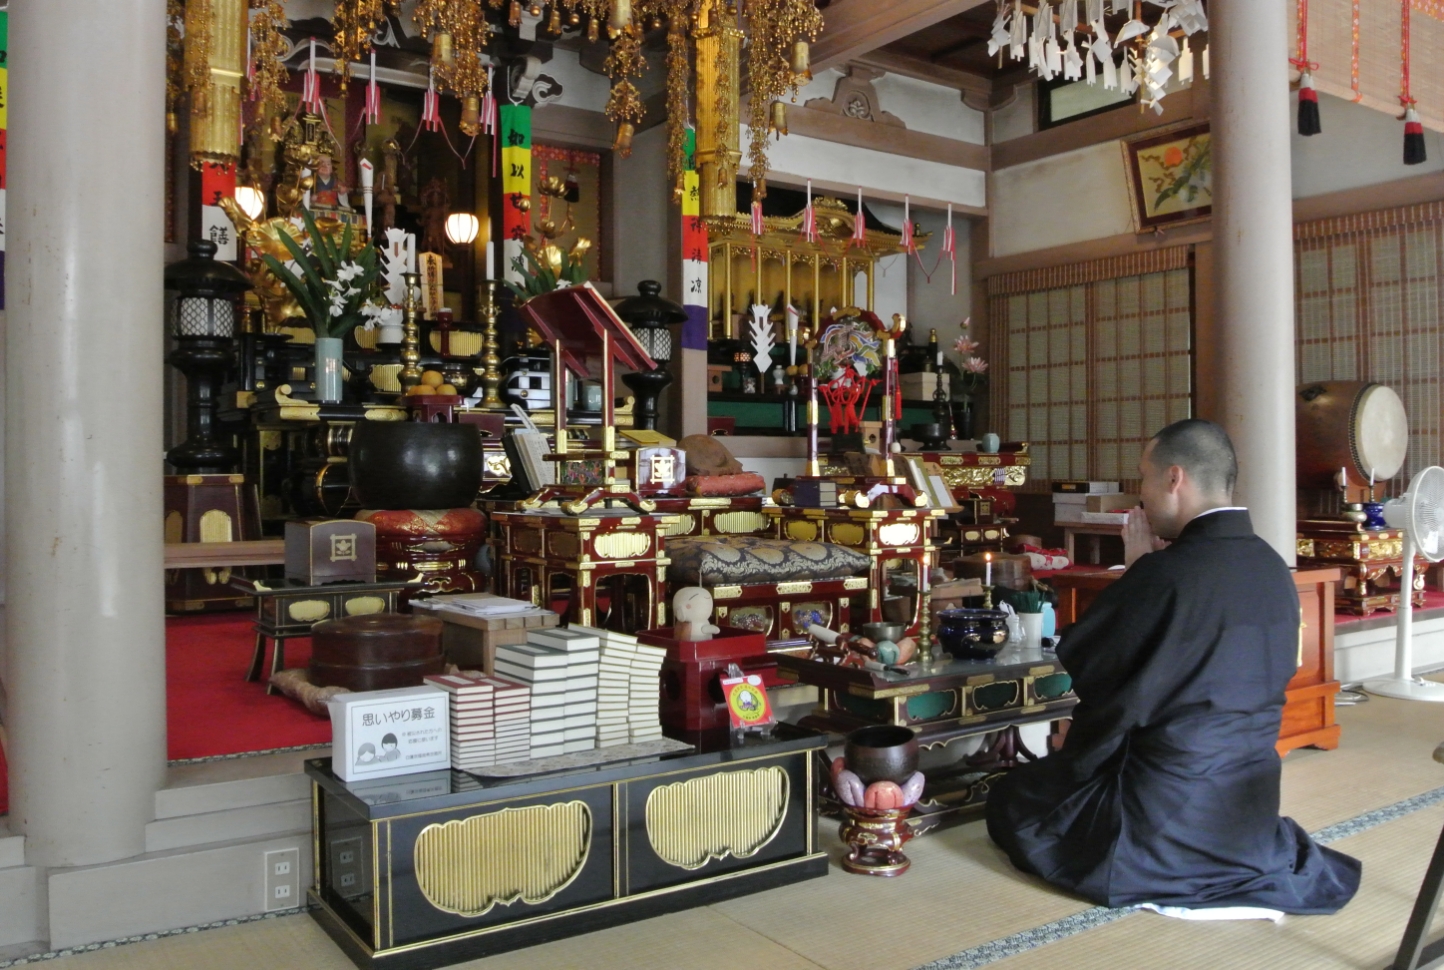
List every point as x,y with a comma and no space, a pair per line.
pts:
415,465
878,632
882,753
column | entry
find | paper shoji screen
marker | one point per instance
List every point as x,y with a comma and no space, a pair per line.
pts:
1094,369
1368,295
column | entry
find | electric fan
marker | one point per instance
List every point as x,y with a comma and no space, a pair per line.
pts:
1419,512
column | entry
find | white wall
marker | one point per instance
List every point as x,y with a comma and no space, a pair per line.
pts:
1018,118
580,87
929,108
794,159
931,304
1068,198
1358,146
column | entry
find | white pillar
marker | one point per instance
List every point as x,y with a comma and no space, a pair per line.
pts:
1253,246
85,612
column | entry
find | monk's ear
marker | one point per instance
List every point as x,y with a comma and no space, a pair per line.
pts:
1175,477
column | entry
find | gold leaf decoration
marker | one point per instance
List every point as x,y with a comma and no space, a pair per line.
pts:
736,813
467,866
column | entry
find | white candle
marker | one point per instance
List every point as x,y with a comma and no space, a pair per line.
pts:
940,360
987,569
411,252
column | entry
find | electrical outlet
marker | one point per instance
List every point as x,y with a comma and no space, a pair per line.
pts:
283,879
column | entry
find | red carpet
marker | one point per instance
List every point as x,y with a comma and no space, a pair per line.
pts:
212,709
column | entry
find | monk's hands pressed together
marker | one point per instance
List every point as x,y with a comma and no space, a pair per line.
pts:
1138,538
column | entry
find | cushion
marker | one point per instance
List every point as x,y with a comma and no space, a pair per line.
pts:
718,485
708,456
726,560
426,523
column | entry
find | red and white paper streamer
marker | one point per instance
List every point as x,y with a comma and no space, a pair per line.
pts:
757,226
950,248
809,217
371,114
907,226
859,225
311,85
431,105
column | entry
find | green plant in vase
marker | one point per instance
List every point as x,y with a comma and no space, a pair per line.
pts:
549,267
335,283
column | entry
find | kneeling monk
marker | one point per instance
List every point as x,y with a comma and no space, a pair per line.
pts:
1166,789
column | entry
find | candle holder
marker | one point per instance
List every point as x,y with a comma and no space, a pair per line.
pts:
410,374
987,597
490,359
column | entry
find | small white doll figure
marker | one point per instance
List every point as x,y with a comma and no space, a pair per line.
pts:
691,610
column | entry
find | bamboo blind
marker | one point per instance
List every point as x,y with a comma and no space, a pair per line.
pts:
1376,80
1093,369
1368,300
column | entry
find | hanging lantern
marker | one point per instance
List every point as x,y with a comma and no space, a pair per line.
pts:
442,52
462,227
621,16
623,142
471,116
801,62
779,118
554,22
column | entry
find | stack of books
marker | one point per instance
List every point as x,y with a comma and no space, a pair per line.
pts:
489,720
630,689
511,702
614,690
579,703
646,693
473,721
544,671
813,493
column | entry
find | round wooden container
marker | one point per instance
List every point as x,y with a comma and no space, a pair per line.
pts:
376,652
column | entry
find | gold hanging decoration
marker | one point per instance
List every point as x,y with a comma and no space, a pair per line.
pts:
268,47
175,74
678,75
457,30
215,70
774,28
354,24
624,105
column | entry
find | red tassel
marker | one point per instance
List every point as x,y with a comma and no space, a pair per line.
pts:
1414,153
1308,106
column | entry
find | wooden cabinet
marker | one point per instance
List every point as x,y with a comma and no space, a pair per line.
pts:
1308,718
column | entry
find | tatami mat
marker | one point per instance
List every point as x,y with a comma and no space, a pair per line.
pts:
961,895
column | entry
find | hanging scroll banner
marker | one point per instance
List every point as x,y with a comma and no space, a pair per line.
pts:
694,251
515,184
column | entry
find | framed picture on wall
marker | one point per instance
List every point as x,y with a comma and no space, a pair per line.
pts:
1170,175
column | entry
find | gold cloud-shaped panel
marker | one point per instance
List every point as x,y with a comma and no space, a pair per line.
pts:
309,611
802,530
467,866
899,534
365,605
733,523
684,524
622,545
848,534
564,544
736,813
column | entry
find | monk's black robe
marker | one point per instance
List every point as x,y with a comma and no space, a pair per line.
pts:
1166,789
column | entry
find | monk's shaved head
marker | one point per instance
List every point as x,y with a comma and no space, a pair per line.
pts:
1202,449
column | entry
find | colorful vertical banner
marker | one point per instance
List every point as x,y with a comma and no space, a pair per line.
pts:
217,182
4,126
515,185
694,252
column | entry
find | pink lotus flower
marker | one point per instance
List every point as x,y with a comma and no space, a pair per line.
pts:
975,365
965,347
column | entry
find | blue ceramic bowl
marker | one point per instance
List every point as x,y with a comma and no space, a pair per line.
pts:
972,634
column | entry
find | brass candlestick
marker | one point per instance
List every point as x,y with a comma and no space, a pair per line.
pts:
410,374
490,360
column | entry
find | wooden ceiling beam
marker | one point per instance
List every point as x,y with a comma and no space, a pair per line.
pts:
978,92
856,27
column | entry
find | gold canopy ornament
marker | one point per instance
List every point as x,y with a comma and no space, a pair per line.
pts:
215,65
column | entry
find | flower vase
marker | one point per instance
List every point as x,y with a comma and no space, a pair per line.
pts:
963,416
329,372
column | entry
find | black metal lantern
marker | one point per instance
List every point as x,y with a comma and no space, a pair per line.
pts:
648,315
203,312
